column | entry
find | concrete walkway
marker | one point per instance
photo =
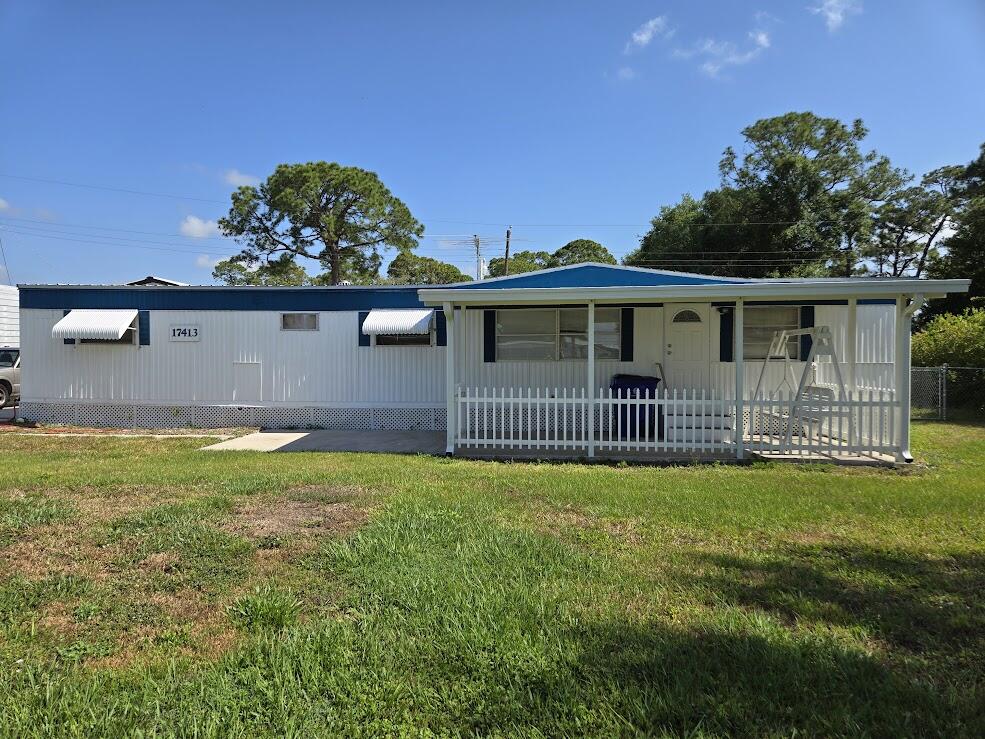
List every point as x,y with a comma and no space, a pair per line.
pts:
395,442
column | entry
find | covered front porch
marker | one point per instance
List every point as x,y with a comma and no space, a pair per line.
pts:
725,368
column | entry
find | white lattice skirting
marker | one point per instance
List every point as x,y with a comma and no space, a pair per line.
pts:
130,415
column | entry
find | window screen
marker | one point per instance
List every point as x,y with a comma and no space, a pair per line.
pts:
299,321
761,322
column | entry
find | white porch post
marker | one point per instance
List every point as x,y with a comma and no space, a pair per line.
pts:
450,400
851,344
739,426
591,379
904,315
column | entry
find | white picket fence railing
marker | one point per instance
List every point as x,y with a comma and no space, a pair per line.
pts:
860,424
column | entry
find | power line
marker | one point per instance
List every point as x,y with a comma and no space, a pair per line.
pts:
209,252
111,228
111,189
434,220
6,267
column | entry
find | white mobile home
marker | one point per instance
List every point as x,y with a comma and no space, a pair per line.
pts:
588,360
9,316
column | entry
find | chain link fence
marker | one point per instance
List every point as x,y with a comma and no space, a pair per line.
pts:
947,392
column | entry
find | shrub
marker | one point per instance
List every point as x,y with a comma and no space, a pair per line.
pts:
958,340
265,608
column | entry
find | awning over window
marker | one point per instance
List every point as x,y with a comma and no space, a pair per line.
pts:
407,321
94,324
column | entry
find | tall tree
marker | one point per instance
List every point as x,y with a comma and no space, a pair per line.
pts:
340,216
410,269
580,251
280,271
799,200
574,252
814,184
963,252
521,261
909,226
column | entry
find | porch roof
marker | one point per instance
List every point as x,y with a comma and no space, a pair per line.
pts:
616,284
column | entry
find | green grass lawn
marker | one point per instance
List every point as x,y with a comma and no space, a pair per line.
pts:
146,587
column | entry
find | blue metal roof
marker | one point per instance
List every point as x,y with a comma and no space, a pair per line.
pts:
596,275
220,298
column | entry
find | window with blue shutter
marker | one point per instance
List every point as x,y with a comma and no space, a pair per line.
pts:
806,321
626,334
489,336
143,327
440,328
364,340
726,337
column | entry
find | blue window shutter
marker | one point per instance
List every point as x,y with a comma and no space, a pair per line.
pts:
626,335
363,338
489,336
143,327
726,336
806,321
440,328
67,341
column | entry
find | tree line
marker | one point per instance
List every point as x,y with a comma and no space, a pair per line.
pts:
801,196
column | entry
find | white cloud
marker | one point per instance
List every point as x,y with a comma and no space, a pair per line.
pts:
626,73
238,179
4,205
720,54
196,228
643,35
835,12
204,261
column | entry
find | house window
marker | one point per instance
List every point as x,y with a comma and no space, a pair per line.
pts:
128,338
298,321
403,339
550,334
761,322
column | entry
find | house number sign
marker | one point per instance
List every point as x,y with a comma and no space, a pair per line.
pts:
185,332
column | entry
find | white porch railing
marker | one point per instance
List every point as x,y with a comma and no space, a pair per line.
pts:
860,424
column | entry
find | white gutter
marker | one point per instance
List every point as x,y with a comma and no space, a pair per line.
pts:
780,290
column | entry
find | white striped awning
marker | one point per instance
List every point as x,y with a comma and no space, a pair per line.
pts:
94,324
404,321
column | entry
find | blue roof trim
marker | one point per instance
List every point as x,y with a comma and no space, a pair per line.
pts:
594,275
259,299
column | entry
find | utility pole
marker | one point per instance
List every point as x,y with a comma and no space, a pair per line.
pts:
506,262
478,257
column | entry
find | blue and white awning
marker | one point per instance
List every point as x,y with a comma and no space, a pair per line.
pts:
107,325
407,321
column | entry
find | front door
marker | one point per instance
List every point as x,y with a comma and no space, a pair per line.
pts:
686,345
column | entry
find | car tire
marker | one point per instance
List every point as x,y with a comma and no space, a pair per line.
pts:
4,396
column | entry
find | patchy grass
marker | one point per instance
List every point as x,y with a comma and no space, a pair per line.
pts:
266,608
148,588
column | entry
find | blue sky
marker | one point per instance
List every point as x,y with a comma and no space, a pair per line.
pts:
565,119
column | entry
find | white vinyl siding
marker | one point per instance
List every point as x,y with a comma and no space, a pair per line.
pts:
9,319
